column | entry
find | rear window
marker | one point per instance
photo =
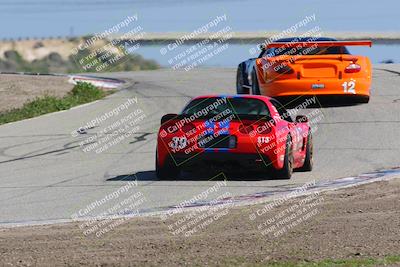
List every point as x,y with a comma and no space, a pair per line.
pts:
209,107
292,51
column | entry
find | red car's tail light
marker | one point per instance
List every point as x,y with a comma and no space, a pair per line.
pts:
170,127
352,68
264,128
246,128
188,127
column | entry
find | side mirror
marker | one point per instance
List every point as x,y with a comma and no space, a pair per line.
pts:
262,47
168,117
301,118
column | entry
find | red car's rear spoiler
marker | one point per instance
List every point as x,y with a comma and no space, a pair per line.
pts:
321,44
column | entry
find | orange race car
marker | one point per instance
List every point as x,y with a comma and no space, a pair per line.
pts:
294,67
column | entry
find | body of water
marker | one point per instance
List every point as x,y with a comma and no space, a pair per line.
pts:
236,53
50,18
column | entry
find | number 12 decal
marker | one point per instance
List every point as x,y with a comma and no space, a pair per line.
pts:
349,87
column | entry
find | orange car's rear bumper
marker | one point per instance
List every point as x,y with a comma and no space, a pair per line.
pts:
325,87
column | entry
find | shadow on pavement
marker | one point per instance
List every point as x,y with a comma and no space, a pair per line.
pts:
190,176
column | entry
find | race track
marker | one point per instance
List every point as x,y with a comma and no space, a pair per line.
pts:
45,175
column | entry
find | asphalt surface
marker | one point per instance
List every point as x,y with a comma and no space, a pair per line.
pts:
46,175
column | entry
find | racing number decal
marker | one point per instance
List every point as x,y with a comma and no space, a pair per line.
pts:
263,140
350,86
178,142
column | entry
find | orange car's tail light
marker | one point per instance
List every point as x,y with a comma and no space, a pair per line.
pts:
352,68
283,68
246,128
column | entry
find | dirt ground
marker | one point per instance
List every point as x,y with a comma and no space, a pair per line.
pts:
15,90
355,223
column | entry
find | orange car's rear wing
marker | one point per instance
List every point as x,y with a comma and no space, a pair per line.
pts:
320,44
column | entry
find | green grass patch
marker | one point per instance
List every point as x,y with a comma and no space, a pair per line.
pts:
81,93
353,262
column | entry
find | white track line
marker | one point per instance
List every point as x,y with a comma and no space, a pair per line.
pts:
325,186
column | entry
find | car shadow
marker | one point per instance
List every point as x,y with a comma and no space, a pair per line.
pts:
191,176
321,101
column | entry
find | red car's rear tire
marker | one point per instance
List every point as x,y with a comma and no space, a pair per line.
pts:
168,171
287,170
308,162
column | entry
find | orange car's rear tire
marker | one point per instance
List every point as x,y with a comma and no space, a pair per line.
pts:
240,89
364,99
255,89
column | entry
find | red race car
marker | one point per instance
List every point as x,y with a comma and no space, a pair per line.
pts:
245,131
